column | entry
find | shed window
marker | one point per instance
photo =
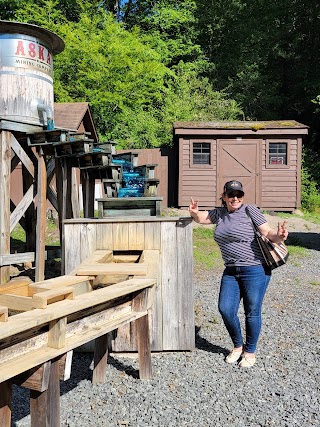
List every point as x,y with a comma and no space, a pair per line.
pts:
201,153
278,153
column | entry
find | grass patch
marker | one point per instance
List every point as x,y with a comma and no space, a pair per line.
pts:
313,217
205,250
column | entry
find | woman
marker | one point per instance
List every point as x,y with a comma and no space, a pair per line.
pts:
244,276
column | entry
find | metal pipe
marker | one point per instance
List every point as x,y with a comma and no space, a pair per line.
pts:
48,110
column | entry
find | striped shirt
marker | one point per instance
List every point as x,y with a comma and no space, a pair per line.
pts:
235,236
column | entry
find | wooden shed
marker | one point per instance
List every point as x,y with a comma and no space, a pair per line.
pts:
264,156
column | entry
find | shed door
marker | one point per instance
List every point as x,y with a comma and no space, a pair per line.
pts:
240,160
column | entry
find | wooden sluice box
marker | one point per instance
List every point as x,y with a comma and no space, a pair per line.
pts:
42,323
164,245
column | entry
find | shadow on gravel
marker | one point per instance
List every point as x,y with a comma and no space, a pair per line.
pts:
81,370
307,240
203,344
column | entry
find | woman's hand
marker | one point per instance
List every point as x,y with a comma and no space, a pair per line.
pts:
202,217
275,235
282,232
193,207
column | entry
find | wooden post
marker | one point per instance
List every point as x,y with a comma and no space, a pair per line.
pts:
100,359
74,194
144,349
5,403
28,175
88,186
53,398
141,302
5,168
41,218
38,408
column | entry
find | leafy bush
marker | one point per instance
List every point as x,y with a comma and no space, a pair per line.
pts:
310,195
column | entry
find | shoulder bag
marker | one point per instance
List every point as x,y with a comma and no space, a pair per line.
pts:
274,254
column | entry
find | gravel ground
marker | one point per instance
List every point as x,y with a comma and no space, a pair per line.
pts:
198,388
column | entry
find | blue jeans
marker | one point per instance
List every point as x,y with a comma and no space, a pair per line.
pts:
249,283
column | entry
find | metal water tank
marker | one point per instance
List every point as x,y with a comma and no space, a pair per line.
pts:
26,73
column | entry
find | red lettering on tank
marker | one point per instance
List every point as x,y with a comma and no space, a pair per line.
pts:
20,48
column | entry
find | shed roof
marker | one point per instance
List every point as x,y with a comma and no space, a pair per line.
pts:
70,116
239,127
254,125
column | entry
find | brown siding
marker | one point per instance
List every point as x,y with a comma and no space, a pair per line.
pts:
279,184
197,181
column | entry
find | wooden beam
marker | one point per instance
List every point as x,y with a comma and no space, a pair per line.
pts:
5,403
5,169
43,299
144,349
100,359
22,206
134,269
28,320
36,378
3,314
41,219
25,159
16,302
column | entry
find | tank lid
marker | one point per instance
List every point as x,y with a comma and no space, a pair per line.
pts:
13,27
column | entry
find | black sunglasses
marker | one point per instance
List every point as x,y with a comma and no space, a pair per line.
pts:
236,194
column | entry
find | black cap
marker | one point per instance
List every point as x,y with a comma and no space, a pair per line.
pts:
231,186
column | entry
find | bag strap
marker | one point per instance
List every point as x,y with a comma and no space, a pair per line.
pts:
254,225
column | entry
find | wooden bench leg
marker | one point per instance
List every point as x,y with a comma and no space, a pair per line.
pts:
100,359
38,408
53,401
5,403
144,350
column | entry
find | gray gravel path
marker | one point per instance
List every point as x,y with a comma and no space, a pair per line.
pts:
198,388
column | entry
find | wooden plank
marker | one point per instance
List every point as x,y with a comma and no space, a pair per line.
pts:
38,408
57,333
169,275
16,287
144,351
184,287
100,359
22,257
72,250
120,234
3,314
28,320
41,219
136,236
36,378
104,236
152,235
134,269
66,280
5,168
5,403
53,401
15,302
88,241
22,206
42,299
153,259
65,364
23,156
20,363
75,194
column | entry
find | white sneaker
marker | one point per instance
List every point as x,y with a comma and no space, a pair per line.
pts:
247,362
234,356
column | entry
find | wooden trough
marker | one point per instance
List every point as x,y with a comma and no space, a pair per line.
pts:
165,245
58,315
